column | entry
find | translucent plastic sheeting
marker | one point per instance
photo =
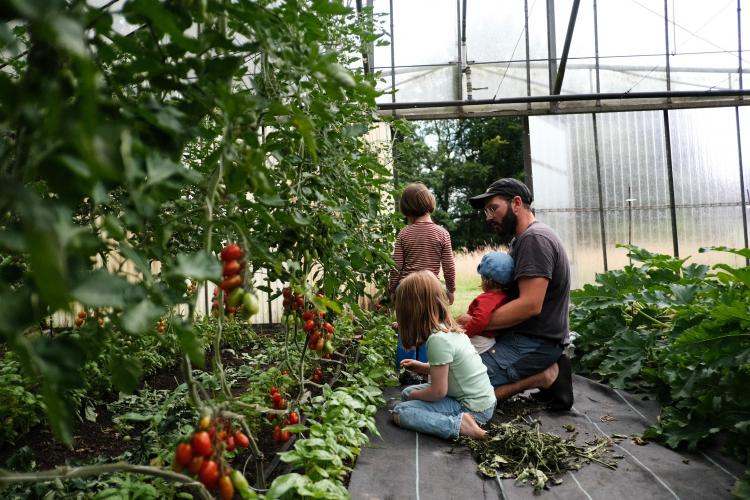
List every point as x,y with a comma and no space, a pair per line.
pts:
616,47
705,162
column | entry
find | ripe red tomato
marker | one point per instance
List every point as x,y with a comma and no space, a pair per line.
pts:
195,465
201,443
276,397
308,315
231,268
309,326
231,282
241,439
230,443
286,292
231,252
284,436
273,389
293,418
209,474
183,455
226,488
277,433
329,327
82,314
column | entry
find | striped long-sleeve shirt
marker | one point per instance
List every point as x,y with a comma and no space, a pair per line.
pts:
423,246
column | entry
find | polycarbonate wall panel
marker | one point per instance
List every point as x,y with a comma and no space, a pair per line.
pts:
565,191
631,34
744,115
425,31
425,84
705,163
633,165
580,74
497,31
703,44
498,80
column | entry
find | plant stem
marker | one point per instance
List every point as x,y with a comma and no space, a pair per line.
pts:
66,472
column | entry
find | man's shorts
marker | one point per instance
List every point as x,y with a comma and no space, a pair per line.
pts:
515,357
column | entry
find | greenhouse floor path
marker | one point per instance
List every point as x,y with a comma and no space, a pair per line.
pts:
402,464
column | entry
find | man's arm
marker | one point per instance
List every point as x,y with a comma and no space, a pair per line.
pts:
527,305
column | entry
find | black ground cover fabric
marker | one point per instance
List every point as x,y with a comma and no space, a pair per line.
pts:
403,464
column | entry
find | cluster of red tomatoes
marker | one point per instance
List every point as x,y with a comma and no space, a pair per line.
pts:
81,319
319,332
236,299
317,375
279,403
202,456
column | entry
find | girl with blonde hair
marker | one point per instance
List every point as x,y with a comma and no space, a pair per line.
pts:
459,395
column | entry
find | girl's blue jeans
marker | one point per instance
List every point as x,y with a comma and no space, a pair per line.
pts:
440,418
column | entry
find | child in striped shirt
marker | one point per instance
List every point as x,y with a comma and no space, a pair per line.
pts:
422,245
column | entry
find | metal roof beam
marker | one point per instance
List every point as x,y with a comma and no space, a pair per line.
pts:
566,48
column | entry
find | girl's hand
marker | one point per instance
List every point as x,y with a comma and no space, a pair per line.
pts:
409,364
415,366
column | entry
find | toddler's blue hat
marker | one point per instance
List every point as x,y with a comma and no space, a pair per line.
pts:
497,266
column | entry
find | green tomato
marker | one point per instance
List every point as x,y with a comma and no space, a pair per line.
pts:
250,306
328,347
235,297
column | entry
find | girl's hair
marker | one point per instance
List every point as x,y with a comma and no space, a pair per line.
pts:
417,200
421,308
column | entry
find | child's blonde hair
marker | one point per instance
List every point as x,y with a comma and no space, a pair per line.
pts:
417,200
421,308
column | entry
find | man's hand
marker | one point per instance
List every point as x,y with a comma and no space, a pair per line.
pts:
528,304
463,320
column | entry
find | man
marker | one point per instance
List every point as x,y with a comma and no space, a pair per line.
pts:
528,354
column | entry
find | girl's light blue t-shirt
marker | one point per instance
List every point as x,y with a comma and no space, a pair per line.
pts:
468,382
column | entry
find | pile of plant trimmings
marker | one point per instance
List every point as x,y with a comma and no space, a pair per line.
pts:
518,449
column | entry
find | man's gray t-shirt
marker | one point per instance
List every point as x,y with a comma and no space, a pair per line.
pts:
538,252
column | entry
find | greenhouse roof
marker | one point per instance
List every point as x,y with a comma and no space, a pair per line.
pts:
451,58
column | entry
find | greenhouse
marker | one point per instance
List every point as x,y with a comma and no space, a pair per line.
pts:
374,249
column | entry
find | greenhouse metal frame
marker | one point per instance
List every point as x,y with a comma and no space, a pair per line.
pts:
428,74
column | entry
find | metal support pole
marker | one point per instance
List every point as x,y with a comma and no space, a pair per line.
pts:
601,195
526,150
666,45
596,48
743,200
566,48
393,56
670,179
739,39
528,55
551,44
365,61
460,61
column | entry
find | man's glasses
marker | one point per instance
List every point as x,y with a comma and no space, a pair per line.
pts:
489,210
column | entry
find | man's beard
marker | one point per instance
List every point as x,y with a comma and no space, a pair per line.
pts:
507,226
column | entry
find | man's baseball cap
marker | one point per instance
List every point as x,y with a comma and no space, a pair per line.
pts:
506,187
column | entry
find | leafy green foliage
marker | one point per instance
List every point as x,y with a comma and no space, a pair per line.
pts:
21,407
205,122
677,331
338,421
